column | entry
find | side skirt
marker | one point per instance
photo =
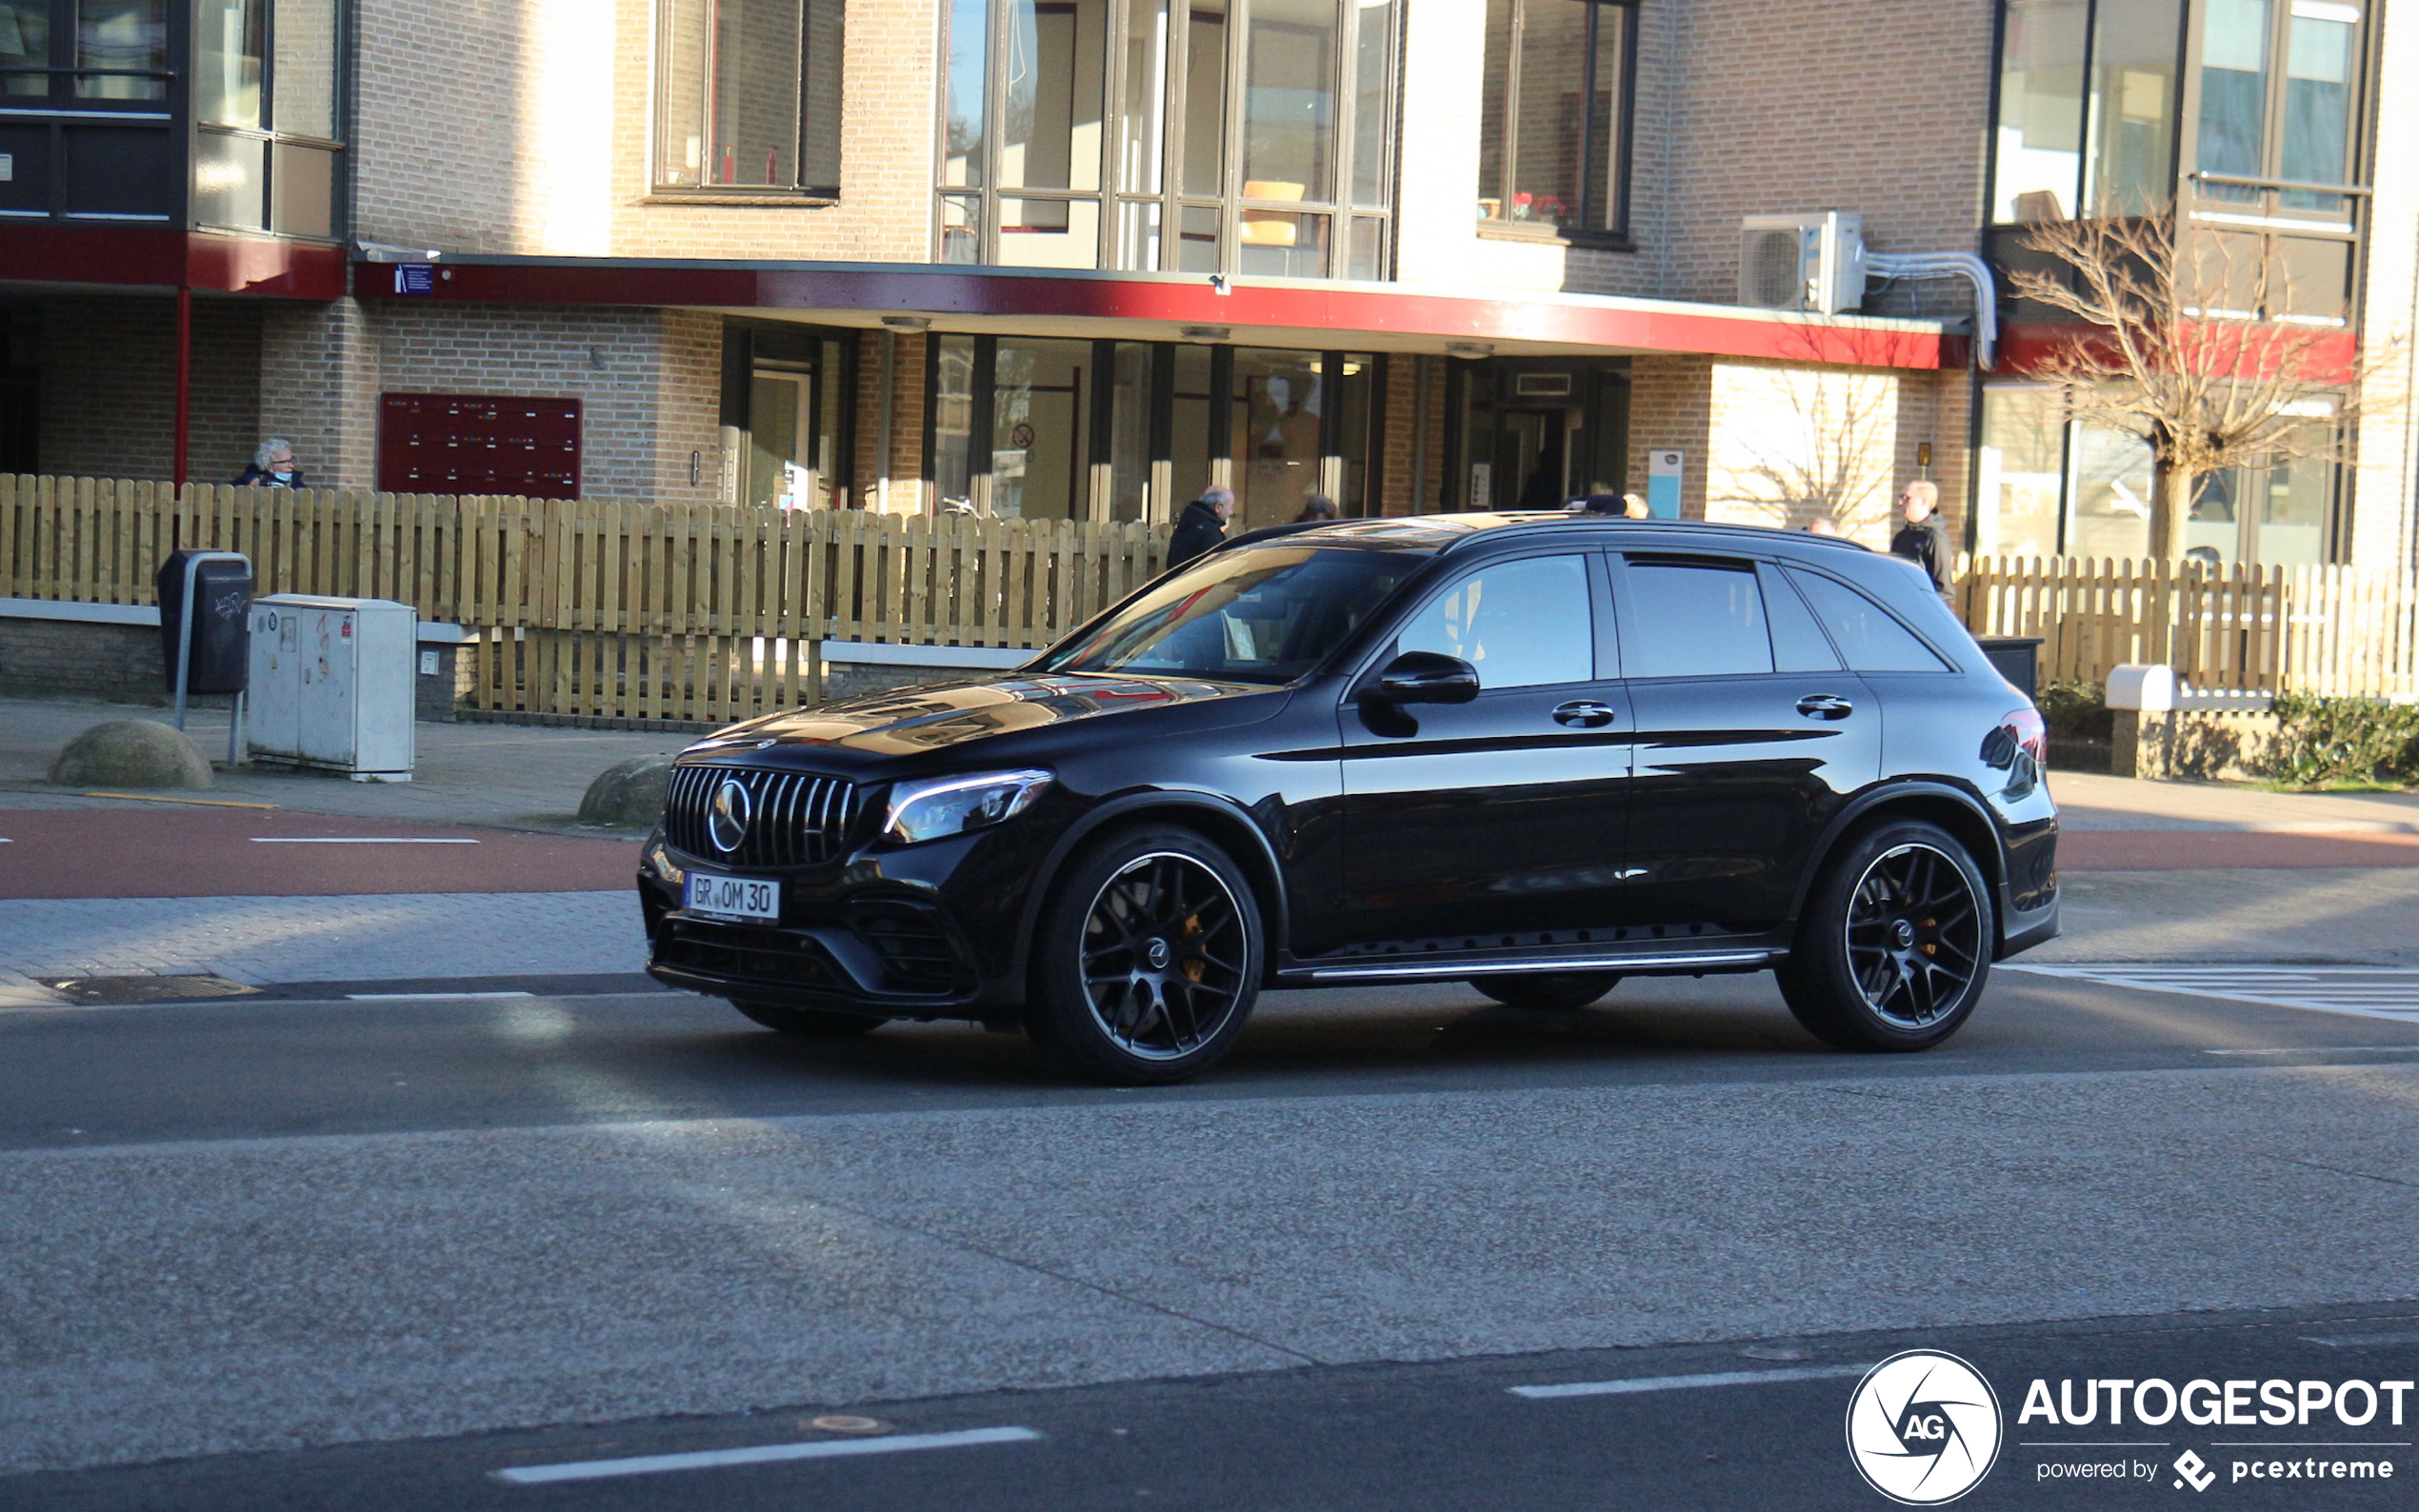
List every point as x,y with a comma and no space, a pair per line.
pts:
1441,968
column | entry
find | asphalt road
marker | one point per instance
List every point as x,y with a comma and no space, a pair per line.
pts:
1698,1426
365,1254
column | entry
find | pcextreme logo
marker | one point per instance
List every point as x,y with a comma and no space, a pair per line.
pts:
1923,1428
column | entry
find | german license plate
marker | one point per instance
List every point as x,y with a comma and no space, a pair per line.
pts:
719,897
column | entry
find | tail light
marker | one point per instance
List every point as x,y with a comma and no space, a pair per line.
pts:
2032,735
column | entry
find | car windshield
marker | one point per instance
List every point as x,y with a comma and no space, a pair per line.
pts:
1263,614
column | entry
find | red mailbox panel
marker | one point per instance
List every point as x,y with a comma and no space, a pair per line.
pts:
479,444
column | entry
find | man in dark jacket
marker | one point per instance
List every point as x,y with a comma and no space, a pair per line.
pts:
1921,540
1202,527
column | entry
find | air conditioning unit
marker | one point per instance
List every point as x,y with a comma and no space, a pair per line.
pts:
1813,262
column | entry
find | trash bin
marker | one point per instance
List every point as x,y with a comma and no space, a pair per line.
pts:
2018,659
221,639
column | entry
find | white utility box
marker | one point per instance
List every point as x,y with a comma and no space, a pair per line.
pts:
333,685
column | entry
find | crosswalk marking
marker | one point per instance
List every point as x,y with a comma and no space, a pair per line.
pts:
2368,992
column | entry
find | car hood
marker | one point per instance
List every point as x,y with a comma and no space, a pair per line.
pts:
919,720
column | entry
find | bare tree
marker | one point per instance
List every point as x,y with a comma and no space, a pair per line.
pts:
2183,346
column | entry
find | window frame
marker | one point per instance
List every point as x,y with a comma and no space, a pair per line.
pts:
660,119
1615,234
984,194
2265,201
1634,634
1446,575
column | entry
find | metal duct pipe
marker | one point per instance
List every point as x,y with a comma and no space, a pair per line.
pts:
1960,265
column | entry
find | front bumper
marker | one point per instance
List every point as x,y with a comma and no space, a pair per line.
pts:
884,934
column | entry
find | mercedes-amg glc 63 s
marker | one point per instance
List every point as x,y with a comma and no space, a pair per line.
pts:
1537,753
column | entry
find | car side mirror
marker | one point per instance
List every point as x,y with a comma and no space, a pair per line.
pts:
1427,677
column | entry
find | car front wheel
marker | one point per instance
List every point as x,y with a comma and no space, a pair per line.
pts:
1148,960
1894,947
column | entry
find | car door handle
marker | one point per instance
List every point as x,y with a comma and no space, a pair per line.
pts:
1825,706
1584,713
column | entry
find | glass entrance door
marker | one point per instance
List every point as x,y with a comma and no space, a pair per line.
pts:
781,473
1533,459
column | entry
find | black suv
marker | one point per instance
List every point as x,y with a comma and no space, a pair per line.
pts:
1535,752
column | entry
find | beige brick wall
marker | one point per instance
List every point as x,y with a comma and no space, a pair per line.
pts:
1744,107
906,494
1776,443
525,127
319,386
647,381
109,388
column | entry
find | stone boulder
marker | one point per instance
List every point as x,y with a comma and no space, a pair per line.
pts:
131,753
628,795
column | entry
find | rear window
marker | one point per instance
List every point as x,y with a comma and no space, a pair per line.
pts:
1869,635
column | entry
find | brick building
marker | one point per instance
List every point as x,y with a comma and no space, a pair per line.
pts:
1082,258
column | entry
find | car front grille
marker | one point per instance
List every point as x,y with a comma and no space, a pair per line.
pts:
795,819
744,954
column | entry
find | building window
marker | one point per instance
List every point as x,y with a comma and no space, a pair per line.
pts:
2276,94
1040,428
1553,145
747,96
2050,486
2086,109
1185,135
91,52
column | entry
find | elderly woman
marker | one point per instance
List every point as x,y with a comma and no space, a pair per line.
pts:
273,467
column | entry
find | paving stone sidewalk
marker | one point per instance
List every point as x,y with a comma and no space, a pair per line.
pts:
259,941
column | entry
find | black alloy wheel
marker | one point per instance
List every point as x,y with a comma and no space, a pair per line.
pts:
808,1024
1548,991
1894,948
1149,959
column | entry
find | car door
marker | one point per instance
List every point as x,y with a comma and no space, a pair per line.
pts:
1480,825
1749,736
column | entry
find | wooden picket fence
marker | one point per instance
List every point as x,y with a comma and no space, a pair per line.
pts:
2230,628
595,607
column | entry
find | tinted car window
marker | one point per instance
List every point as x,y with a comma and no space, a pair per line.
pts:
1866,634
1265,614
1798,642
1521,623
1695,619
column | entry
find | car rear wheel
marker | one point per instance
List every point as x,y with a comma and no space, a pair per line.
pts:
1894,948
1148,960
1548,991
808,1024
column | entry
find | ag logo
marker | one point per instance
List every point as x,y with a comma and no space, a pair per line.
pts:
1923,1428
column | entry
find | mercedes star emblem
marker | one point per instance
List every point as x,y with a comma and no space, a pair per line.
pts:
726,821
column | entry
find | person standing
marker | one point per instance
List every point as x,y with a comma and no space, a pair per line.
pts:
1921,540
1317,509
273,467
1202,525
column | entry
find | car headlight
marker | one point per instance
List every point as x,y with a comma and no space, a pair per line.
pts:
941,806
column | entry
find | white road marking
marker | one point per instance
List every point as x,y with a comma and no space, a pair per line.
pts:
2407,1336
760,1454
1719,1378
426,997
2368,992
356,840
2329,1049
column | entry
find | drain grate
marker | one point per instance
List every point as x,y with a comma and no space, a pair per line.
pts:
145,990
